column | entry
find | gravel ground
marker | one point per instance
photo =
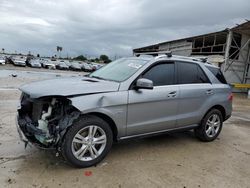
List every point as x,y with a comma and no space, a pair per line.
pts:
171,160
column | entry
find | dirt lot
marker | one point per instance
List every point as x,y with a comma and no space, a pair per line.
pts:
172,160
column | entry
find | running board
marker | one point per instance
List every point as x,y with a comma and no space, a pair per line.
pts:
159,132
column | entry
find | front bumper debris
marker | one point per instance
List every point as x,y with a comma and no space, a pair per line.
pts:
21,134
29,127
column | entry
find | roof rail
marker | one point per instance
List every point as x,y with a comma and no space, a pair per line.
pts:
162,54
167,53
201,59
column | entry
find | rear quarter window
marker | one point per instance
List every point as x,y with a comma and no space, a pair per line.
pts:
218,74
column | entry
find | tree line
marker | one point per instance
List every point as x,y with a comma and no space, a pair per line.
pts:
103,58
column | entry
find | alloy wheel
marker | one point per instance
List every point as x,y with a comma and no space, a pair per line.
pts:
213,125
89,143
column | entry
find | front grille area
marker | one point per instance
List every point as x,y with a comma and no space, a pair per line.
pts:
32,108
26,105
42,120
28,116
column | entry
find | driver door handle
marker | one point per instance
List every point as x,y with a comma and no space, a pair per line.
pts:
172,94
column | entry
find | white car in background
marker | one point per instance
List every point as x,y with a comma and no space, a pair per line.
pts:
2,61
97,65
87,67
19,62
34,63
62,66
47,64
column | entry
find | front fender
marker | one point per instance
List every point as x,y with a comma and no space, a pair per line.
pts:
112,104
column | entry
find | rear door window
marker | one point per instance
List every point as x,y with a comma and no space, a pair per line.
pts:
190,73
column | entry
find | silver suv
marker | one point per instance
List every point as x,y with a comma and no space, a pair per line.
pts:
131,97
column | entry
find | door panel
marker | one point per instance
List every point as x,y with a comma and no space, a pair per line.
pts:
195,90
191,100
152,110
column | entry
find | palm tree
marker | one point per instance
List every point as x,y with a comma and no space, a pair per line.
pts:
59,50
3,50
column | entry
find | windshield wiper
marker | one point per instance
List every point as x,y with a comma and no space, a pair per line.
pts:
98,77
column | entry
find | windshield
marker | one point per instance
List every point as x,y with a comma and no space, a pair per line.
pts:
119,70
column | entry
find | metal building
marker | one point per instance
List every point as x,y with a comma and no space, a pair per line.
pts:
229,49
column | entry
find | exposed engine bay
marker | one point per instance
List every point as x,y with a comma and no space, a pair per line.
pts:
44,121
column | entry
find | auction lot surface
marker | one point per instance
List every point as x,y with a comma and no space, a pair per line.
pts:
171,160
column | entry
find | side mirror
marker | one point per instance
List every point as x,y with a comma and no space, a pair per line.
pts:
144,83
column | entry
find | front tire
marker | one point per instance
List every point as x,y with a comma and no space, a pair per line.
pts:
210,127
87,141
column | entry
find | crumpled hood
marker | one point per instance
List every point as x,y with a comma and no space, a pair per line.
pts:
68,87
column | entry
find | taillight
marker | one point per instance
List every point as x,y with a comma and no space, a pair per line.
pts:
230,97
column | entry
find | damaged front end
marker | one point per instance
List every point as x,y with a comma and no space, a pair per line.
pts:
44,121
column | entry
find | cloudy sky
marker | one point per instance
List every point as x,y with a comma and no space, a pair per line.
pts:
112,27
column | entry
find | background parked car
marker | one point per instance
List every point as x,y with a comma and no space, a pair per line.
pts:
94,68
2,60
34,63
19,62
67,63
47,64
97,65
62,66
8,59
86,67
75,66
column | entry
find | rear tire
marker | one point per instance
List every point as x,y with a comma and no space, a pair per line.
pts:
87,141
210,126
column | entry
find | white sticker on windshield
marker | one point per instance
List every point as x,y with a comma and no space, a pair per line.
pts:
134,65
